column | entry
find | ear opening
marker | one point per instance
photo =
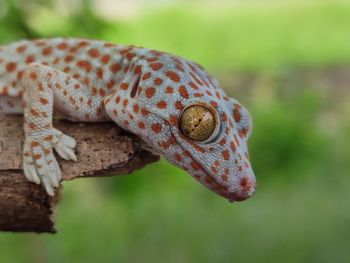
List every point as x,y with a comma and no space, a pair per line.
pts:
135,86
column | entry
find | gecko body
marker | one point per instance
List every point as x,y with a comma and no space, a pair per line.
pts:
174,105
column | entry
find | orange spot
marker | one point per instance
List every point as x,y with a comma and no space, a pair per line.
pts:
245,184
117,99
178,157
198,148
72,100
33,76
158,81
37,156
150,92
30,59
114,68
34,112
224,177
183,92
226,155
47,51
146,76
141,125
124,86
111,84
173,76
173,120
62,46
209,93
198,94
20,74
99,73
109,45
214,169
136,108
48,138
43,101
144,111
5,91
157,128
156,66
11,67
169,90
31,126
233,146
94,53
179,105
137,70
69,58
152,59
214,104
101,92
105,59
236,114
195,166
222,142
193,85
84,65
21,49
162,104
94,91
34,144
129,56
125,102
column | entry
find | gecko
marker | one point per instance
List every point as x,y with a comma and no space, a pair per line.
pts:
173,104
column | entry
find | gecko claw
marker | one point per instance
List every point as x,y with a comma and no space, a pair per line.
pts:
39,162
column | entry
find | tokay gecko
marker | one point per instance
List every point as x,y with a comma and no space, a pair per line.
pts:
174,105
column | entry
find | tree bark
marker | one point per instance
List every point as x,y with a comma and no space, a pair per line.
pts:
103,149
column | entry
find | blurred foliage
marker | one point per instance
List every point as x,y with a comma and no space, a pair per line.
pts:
299,147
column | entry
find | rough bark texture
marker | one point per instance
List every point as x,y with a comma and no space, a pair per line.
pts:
103,149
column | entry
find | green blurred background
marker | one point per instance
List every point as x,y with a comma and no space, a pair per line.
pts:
288,62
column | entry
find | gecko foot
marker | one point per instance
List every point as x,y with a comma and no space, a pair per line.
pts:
39,162
64,145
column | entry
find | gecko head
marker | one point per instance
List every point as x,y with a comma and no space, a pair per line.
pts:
183,114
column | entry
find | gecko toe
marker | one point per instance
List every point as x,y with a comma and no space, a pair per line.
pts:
64,146
30,173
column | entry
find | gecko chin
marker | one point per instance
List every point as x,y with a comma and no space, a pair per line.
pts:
240,187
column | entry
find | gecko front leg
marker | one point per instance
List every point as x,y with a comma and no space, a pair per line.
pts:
44,89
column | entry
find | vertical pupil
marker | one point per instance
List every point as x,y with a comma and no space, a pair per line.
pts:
197,123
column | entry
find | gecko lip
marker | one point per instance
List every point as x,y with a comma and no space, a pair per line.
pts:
231,194
218,188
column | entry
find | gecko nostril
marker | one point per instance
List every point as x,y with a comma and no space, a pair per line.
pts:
246,184
134,87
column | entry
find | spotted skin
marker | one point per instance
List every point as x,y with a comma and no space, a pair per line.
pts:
143,91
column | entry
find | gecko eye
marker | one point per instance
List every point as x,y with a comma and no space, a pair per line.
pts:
199,122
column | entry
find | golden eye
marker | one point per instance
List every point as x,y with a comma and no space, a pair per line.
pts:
198,123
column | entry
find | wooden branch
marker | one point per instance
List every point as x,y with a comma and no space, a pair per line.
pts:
103,149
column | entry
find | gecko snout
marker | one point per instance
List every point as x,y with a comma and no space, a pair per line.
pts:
245,189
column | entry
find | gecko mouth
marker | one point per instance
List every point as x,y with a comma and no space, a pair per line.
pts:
224,191
248,187
209,180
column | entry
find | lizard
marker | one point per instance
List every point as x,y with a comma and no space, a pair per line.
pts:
173,104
